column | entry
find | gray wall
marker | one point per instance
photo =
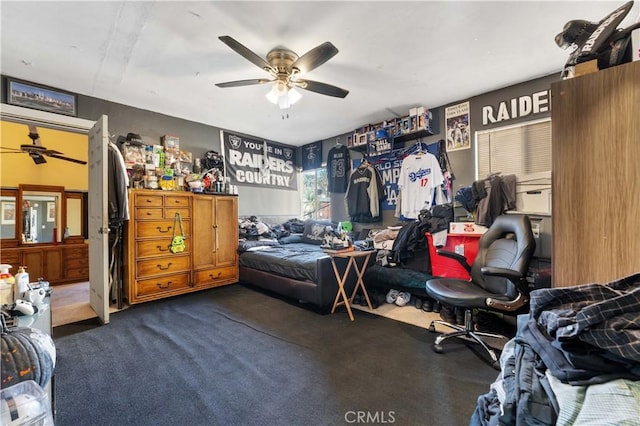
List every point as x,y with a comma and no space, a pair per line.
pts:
195,137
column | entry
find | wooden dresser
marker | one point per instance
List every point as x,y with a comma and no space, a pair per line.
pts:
57,264
210,224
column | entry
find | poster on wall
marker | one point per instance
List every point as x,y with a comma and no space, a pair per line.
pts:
312,156
458,130
251,162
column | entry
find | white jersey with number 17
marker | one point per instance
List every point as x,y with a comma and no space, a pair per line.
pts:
419,175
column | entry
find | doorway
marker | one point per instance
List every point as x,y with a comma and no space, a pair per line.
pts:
73,297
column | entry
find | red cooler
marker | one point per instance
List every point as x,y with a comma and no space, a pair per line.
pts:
466,245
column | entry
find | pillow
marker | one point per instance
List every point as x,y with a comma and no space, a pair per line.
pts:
314,231
248,244
291,239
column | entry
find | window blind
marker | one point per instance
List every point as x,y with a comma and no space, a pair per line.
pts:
521,150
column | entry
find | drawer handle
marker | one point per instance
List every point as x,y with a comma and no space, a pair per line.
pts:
162,249
217,276
165,268
148,213
164,232
165,286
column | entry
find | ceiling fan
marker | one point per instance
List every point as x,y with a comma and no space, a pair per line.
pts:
285,67
36,151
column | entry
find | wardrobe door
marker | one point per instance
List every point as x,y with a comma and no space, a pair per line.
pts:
596,173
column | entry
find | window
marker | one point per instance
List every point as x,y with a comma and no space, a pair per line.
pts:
315,197
522,150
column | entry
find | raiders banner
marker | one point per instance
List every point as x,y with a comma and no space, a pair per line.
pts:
253,162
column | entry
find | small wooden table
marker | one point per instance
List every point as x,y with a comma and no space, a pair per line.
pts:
342,278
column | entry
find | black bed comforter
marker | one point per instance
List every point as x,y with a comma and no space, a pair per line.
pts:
297,261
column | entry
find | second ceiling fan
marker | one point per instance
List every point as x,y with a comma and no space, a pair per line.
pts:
285,67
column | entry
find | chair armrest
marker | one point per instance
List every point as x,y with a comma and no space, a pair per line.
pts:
502,272
514,276
455,256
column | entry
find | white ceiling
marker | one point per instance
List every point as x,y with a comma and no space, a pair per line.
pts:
166,57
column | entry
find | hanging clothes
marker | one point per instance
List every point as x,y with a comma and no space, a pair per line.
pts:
364,193
500,196
420,175
117,186
338,168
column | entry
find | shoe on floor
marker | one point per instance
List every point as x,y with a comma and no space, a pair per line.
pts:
403,298
418,303
392,296
460,316
377,299
448,314
427,305
436,307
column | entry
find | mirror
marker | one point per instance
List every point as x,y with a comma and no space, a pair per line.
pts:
40,214
74,203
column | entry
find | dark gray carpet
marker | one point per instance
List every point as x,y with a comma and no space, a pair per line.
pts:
233,355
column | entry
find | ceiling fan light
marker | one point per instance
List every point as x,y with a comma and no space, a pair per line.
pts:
272,95
283,102
294,96
281,87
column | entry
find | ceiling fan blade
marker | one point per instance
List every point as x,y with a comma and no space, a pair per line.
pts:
37,158
11,150
50,152
239,83
62,157
322,88
245,52
315,57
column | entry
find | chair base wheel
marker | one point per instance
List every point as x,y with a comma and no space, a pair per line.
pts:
437,348
432,328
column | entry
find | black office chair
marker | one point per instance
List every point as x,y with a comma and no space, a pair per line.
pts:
498,280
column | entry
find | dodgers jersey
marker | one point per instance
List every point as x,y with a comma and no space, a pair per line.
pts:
420,175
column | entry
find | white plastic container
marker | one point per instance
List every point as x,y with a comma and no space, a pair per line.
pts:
25,403
22,282
7,283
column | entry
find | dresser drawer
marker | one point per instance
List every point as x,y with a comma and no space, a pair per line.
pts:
158,247
77,263
160,285
80,251
176,201
160,228
149,213
77,273
166,265
218,274
148,200
170,212
11,257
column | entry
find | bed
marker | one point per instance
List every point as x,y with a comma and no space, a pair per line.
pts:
294,267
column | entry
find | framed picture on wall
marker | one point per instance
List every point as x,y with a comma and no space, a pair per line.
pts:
51,212
36,96
8,212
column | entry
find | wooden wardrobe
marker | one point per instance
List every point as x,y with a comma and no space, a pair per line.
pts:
209,259
596,176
